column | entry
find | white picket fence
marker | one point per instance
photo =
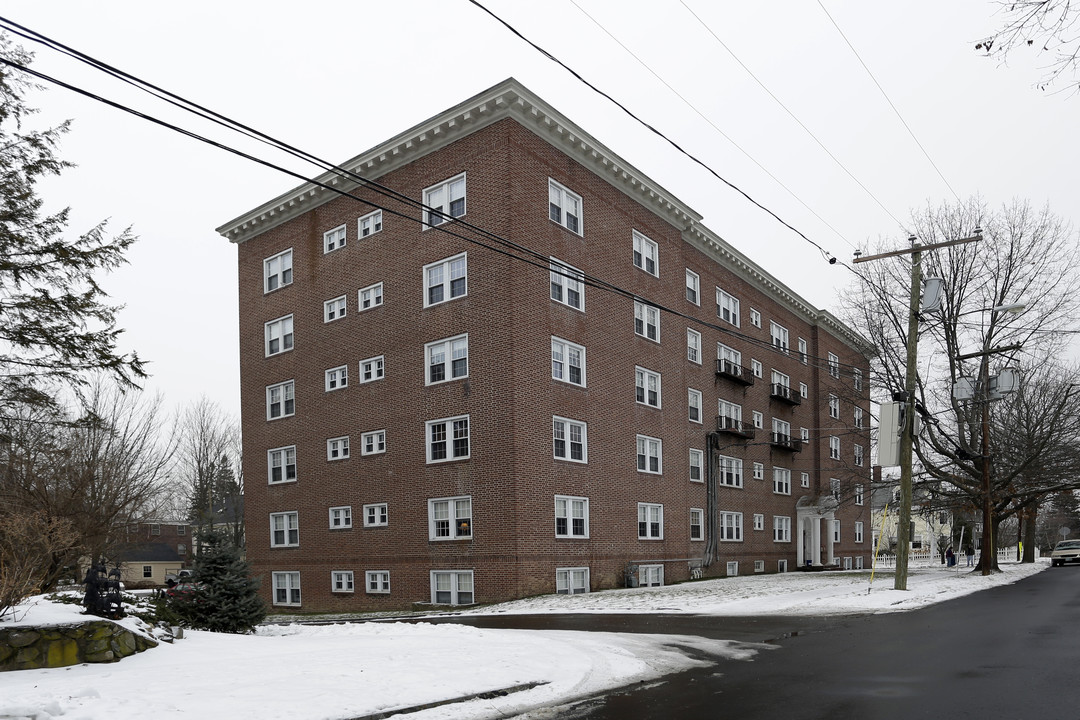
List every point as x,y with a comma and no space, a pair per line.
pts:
926,558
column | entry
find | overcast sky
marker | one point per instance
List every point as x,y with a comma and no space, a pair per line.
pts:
338,78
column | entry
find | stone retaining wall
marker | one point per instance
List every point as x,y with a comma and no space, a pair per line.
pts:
96,641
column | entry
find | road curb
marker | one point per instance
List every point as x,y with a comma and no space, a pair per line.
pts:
487,695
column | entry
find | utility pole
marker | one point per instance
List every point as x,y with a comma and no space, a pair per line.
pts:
907,431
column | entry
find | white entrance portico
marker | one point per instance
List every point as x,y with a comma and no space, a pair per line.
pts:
812,538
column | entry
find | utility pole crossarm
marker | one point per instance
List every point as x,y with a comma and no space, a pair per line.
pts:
919,248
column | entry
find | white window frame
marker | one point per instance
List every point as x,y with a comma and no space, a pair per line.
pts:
452,350
647,317
335,309
834,407
781,429
781,481
756,368
648,450
759,566
697,520
693,346
759,419
337,378
454,516
455,590
804,434
452,428
804,479
370,297
693,287
859,455
803,354
562,365
727,307
780,336
441,197
859,498
697,461
376,515
646,252
693,404
642,379
277,270
290,529
341,517
368,225
836,531
779,378
567,279
284,453
858,418
730,410
834,447
334,239
652,516
858,531
755,317
281,330
562,429
342,581
781,528
289,582
287,390
571,581
856,376
834,365
373,442
731,569
729,526
377,582
377,369
781,566
573,511
650,575
759,471
804,391
730,471
559,196
759,521
337,448
446,281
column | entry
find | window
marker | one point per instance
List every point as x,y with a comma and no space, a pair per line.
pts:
567,361
856,375
286,588
732,413
375,515
447,359
567,285
731,470
650,575
571,517
369,224
181,529
444,201
372,369
647,321
370,297
650,521
859,417
450,518
571,581
445,280
697,519
730,357
727,307
836,531
693,286
858,531
804,434
337,448
730,526
755,318
377,581
834,407
181,549
781,383
564,207
646,254
834,488
277,271
804,392
284,529
281,464
333,239
803,355
759,420
781,481
781,566
732,569
334,309
781,430
279,400
340,518
453,587
834,448
759,566
858,494
781,528
759,521
648,387
693,346
448,439
341,581
693,401
804,479
337,378
147,571
859,455
571,440
755,368
279,335
759,471
834,365
649,455
697,461
779,335
373,443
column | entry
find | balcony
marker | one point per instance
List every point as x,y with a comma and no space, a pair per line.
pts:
734,371
785,442
785,394
731,426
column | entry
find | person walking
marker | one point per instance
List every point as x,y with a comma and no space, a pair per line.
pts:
950,557
970,553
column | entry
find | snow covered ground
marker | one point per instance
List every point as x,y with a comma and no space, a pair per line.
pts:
351,670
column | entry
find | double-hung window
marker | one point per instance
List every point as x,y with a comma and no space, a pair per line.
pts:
859,495
567,362
446,279
834,447
650,455
340,518
571,581
372,369
781,528
448,439
564,207
834,365
759,521
279,335
697,464
859,455
730,526
727,307
693,287
834,407
571,440
334,309
571,517
452,587
375,515
373,443
781,430
731,471
859,417
277,271
567,284
697,519
803,356
858,531
369,224
650,518
693,401
647,383
693,346
337,378
856,375
755,368
647,321
280,400
337,448
646,254
444,201
333,239
781,384
447,359
450,518
284,529
286,588
281,463
781,481
730,415
370,297
779,336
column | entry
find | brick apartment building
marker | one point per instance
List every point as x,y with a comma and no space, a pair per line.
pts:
442,418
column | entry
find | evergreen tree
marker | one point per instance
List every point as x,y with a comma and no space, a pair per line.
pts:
227,599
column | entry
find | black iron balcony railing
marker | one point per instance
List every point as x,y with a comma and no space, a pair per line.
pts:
733,426
784,393
734,371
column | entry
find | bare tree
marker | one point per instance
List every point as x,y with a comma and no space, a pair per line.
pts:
206,469
1049,28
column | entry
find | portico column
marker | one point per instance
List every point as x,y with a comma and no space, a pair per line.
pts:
831,559
815,546
800,539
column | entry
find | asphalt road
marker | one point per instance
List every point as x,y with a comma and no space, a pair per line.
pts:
1009,653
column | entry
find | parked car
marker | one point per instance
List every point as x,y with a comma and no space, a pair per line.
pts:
186,589
1064,552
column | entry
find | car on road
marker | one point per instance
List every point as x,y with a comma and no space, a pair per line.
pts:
1064,552
186,590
